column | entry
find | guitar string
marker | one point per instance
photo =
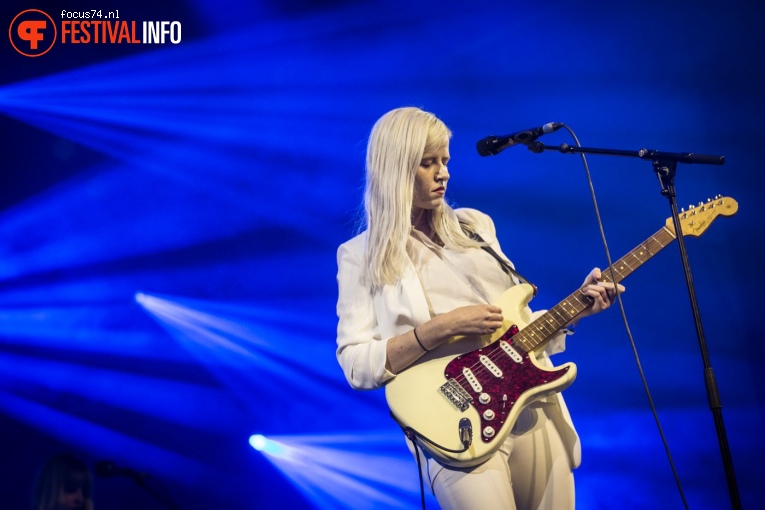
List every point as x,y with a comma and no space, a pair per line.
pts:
520,337
648,247
651,247
497,353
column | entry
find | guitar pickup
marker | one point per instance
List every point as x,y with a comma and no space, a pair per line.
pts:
510,351
456,394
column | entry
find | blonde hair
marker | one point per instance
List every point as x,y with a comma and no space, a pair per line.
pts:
397,143
54,477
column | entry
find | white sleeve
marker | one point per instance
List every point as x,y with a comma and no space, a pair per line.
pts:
361,351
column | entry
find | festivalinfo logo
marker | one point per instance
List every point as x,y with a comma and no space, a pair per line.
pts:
33,32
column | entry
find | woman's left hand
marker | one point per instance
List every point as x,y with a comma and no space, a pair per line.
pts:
602,293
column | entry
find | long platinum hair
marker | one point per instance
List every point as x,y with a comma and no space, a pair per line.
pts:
54,477
397,143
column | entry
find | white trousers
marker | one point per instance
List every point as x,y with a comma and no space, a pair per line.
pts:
530,471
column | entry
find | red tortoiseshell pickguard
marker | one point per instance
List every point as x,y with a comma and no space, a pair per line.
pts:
517,378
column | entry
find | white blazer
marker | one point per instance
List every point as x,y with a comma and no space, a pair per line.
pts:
367,319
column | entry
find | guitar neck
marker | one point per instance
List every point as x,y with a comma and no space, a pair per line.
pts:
543,328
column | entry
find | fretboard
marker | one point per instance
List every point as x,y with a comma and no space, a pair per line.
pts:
544,327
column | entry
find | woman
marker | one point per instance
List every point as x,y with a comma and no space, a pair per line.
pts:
413,280
64,483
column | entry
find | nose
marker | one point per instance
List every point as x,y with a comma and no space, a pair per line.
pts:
442,174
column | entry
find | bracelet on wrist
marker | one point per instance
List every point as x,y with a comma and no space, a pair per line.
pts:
418,340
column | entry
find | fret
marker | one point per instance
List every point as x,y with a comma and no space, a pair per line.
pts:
521,341
552,313
569,307
623,267
667,236
559,318
544,327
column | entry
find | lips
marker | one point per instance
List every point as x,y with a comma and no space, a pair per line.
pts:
441,190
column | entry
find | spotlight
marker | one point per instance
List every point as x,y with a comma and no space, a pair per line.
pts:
258,442
272,448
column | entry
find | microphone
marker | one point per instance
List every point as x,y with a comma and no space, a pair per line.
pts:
493,145
106,468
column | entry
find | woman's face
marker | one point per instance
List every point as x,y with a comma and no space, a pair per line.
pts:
431,177
74,493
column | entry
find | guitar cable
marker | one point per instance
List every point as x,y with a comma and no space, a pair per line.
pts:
626,323
466,437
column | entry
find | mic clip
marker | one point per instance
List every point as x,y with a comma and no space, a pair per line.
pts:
536,147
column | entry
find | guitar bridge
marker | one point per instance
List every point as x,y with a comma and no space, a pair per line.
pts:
456,394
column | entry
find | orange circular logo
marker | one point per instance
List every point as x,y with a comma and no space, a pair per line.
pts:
32,33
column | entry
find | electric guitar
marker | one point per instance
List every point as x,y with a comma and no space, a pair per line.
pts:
482,383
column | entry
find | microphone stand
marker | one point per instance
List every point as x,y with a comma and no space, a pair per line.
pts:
665,166
108,469
141,482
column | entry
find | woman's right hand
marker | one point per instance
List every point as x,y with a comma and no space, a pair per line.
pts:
475,320
405,349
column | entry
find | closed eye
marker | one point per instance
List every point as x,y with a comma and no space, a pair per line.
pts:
425,163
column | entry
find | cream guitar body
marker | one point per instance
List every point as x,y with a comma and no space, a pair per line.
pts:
500,385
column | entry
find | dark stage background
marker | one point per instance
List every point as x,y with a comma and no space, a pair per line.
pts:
169,216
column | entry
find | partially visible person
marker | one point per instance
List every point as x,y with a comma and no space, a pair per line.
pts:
63,483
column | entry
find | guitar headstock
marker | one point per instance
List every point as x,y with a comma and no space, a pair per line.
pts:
696,220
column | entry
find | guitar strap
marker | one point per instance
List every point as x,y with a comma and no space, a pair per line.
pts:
504,264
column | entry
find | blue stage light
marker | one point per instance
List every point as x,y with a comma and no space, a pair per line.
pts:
233,167
348,471
267,446
258,442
